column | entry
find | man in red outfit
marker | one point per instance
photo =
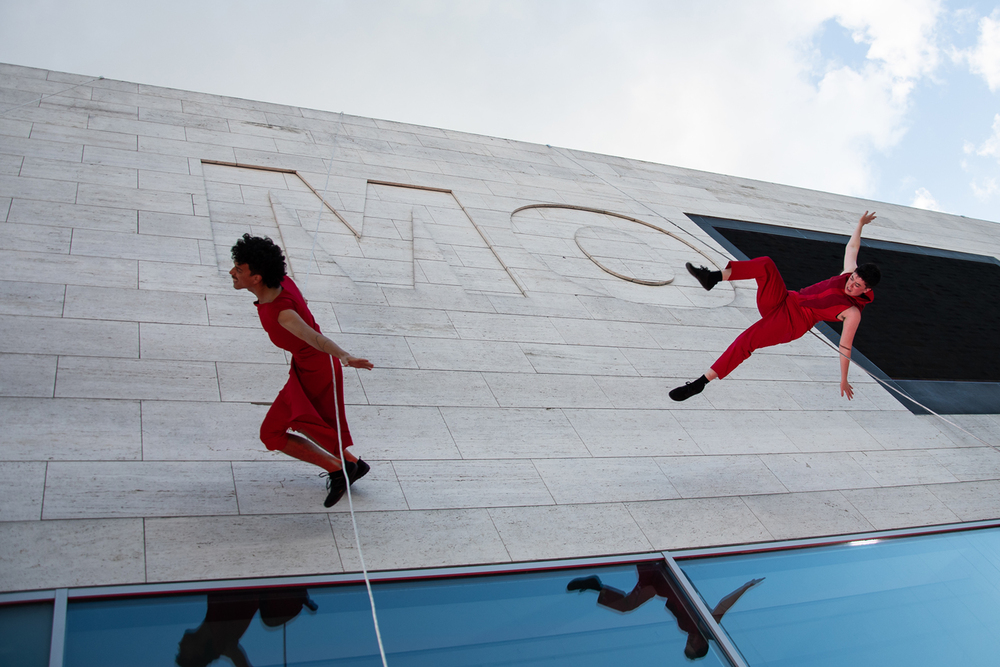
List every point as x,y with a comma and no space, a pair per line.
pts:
655,581
786,316
312,401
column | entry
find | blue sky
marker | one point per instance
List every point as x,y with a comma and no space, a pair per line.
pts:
887,99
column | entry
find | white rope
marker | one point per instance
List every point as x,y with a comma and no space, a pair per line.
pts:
19,106
354,522
340,441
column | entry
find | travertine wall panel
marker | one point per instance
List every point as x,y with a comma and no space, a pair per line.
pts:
518,409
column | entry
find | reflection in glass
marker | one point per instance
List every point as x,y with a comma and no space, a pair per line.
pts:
25,634
509,619
228,617
654,580
929,600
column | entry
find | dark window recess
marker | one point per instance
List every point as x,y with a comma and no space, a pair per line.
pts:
934,320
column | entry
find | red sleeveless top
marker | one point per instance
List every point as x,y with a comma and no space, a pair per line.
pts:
827,299
290,298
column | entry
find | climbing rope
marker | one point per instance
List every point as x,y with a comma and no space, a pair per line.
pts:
340,442
354,523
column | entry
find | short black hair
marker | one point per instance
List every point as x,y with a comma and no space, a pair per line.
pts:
870,274
263,256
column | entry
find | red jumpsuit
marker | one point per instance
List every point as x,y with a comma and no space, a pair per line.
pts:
784,315
312,400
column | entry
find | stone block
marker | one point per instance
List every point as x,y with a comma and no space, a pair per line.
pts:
825,471
289,487
203,431
192,342
537,533
69,429
27,375
60,554
900,507
801,515
72,215
692,523
427,388
229,547
391,540
21,488
469,484
108,489
522,390
36,299
57,335
101,377
35,238
489,433
604,480
111,303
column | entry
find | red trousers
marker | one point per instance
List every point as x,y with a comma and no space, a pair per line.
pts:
781,318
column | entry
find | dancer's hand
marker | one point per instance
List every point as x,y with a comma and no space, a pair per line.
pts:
846,389
866,218
355,362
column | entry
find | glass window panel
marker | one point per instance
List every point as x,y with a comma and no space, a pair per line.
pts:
522,619
25,634
930,600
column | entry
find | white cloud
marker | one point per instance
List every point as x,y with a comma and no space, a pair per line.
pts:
726,99
985,191
900,33
983,188
990,147
922,198
984,57
724,85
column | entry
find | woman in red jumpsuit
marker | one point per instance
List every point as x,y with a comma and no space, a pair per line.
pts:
786,316
312,401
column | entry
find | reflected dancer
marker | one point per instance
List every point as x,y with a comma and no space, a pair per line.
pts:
655,581
228,617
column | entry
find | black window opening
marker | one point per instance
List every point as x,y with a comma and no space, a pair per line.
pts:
932,328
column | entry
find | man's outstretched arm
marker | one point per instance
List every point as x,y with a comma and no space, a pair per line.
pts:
728,601
854,245
851,319
294,323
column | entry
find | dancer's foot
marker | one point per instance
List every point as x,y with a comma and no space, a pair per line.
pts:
689,389
336,485
708,279
359,470
591,583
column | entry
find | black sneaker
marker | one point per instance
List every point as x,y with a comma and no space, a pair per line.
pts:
359,470
336,485
688,390
591,583
708,279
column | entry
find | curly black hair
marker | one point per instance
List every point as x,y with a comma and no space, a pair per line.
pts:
263,256
870,274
